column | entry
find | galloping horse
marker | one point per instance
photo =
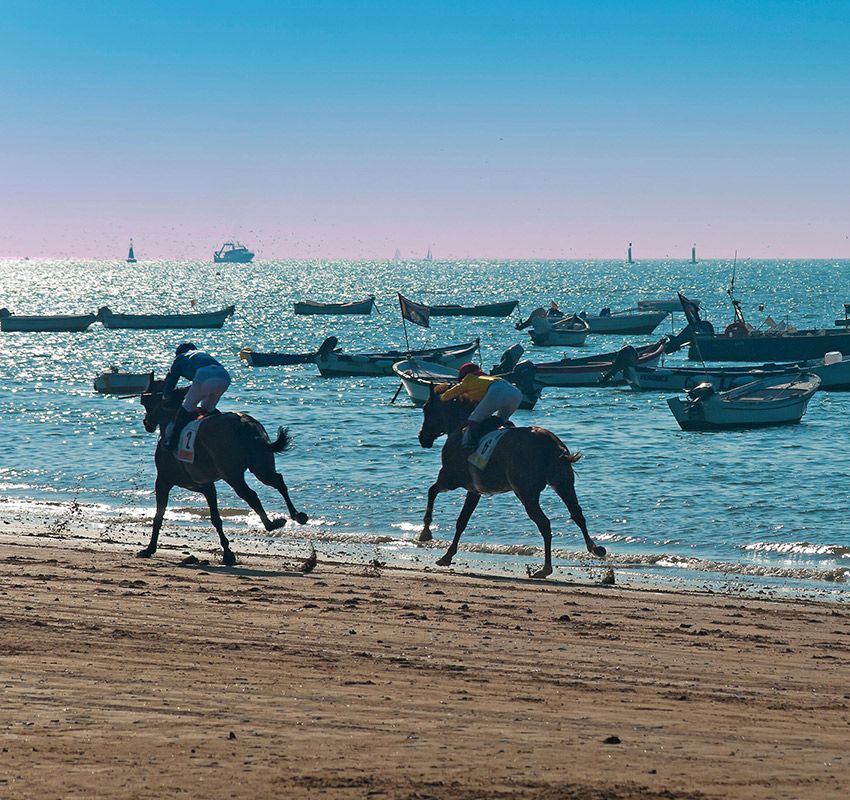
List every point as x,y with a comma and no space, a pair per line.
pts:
525,461
225,447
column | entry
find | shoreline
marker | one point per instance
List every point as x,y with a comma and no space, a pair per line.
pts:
131,678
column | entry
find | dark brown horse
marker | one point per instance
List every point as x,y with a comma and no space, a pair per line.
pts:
525,461
226,446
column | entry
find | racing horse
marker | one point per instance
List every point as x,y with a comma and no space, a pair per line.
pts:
524,462
226,446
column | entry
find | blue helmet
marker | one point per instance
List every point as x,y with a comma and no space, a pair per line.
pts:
184,347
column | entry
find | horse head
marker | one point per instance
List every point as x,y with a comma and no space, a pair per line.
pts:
440,417
157,410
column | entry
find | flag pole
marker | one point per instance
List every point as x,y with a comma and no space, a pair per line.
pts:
404,323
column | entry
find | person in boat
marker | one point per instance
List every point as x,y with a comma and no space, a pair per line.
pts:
554,311
492,394
209,382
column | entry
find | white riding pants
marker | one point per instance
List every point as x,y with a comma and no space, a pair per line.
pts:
502,398
207,388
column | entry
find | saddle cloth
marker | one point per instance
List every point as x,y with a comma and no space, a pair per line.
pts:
186,444
481,457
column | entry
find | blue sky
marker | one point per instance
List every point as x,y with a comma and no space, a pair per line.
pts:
330,129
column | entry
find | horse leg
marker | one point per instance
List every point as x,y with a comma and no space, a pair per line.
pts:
566,490
275,480
469,505
252,499
433,491
211,495
535,513
161,489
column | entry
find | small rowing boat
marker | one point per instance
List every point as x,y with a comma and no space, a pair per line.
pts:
485,310
359,307
43,324
116,382
211,319
255,359
335,364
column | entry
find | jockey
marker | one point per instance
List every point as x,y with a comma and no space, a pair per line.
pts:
209,382
493,395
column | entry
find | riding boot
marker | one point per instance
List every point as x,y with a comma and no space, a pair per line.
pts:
505,423
180,422
470,435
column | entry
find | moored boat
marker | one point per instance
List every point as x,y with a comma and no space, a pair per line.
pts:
69,323
419,377
357,307
502,309
673,306
232,253
210,319
335,364
589,370
568,331
833,370
774,400
255,359
761,346
117,382
630,321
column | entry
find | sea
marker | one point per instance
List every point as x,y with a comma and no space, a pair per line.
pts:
756,511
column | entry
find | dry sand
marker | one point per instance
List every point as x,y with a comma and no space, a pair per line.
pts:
123,678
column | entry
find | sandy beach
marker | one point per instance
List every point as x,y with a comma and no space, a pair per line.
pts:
124,678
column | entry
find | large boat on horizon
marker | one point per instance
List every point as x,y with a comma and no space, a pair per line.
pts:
233,253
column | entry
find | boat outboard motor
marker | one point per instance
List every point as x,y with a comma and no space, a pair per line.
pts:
510,358
523,378
702,391
328,346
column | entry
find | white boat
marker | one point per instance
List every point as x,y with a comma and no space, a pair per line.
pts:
776,400
131,256
418,377
428,256
554,332
833,370
335,364
589,370
44,324
629,321
397,255
211,319
232,253
116,382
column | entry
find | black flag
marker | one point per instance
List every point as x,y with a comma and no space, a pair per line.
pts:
417,313
691,310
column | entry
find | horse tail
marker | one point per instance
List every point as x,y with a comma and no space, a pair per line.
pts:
571,458
283,441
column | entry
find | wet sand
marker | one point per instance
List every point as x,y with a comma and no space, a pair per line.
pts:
132,679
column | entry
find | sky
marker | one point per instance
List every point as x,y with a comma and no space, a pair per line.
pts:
323,129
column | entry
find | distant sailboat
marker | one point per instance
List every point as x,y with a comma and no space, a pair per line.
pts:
131,256
428,256
397,255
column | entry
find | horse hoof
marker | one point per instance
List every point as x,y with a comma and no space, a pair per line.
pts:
144,553
445,561
276,524
541,573
425,536
301,518
599,550
229,558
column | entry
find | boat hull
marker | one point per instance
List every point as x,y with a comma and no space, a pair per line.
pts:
590,372
342,365
360,307
776,400
213,319
485,310
799,346
639,322
46,324
123,382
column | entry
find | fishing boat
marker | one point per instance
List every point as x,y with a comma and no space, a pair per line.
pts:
232,253
502,309
589,370
568,331
131,256
53,323
335,364
419,378
744,344
630,321
833,370
775,400
210,319
358,307
255,359
117,382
